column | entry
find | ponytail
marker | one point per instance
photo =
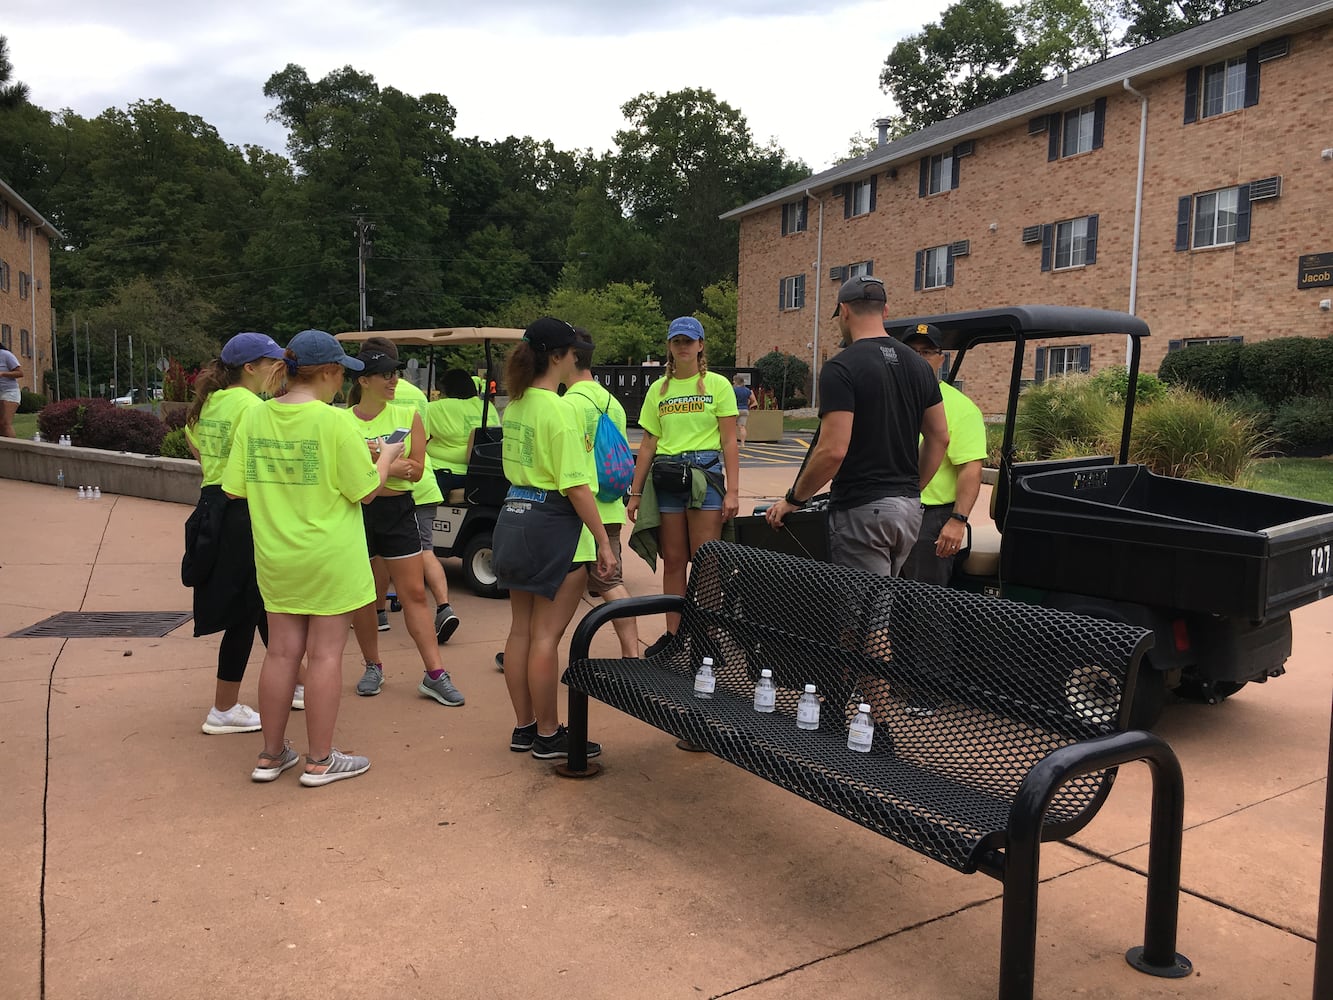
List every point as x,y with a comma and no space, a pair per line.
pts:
212,377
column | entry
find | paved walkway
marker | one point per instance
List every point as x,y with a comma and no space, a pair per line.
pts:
142,862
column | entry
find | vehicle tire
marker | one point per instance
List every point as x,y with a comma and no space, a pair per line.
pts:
477,568
1192,689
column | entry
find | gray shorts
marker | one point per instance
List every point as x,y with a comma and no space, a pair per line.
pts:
742,417
877,536
10,391
426,526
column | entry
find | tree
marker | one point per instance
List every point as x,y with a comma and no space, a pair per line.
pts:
718,317
625,320
1150,20
12,95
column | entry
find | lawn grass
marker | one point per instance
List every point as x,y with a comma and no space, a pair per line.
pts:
1307,478
25,425
800,423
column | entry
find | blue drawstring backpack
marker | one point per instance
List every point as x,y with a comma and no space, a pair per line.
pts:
615,462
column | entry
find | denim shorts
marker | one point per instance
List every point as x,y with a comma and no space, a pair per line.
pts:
675,503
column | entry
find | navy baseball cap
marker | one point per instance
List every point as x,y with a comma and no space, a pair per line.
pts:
685,326
315,347
246,347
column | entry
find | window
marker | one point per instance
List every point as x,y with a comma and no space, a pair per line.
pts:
864,267
1214,218
1176,345
1223,87
940,172
4,214
1072,243
25,344
934,267
24,225
1230,84
858,198
1078,131
4,276
1053,361
791,292
794,217
24,283
6,336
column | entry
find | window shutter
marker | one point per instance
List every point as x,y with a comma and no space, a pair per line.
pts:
1098,123
805,215
1174,345
838,273
785,228
1032,234
957,165
948,268
847,200
1193,76
1091,254
1084,358
870,268
1183,222
782,294
1047,242
1243,214
1053,139
873,185
923,188
800,291
1039,375
920,269
1251,78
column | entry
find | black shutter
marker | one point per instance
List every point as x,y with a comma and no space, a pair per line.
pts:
870,267
873,178
948,268
923,188
785,229
1243,214
782,285
1085,358
805,215
1183,222
920,269
1091,254
847,200
956,168
1047,246
1251,78
1039,374
1193,76
1053,138
1098,123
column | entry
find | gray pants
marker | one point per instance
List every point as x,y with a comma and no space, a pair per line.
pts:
922,562
877,536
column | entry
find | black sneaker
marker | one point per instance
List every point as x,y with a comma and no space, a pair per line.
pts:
523,738
557,746
446,623
661,644
500,662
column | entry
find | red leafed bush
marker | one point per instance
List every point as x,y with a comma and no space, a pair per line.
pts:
124,429
71,416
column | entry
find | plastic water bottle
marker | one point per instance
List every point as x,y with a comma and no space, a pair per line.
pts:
60,478
97,493
765,694
37,436
807,709
861,733
83,493
704,681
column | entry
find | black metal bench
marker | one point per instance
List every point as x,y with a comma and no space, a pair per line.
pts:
997,723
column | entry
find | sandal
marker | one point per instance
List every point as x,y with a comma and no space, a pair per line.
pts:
337,765
278,762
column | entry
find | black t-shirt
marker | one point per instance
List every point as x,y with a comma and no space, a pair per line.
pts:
888,388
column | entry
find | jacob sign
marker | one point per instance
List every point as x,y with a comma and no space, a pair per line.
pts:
1315,271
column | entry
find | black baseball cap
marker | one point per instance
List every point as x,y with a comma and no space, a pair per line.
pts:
861,288
377,362
925,331
551,334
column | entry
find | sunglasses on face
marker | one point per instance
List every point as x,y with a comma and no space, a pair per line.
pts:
388,376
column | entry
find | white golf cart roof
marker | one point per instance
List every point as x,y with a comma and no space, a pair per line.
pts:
447,336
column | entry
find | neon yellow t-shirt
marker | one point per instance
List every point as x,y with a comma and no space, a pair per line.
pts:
685,419
449,422
545,447
384,423
588,398
305,470
212,435
967,443
426,490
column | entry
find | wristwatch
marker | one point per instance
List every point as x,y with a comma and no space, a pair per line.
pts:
791,498
959,517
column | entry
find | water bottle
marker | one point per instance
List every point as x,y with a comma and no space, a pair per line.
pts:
60,478
765,694
83,493
861,733
37,436
807,709
97,493
704,681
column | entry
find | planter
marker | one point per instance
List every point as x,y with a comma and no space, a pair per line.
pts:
764,425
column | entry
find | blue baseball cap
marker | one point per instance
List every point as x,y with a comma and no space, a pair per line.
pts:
246,347
685,326
315,347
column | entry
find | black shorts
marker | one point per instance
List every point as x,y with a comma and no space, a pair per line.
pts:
229,595
535,538
391,527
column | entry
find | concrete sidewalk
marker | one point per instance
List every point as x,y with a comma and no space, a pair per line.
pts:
143,862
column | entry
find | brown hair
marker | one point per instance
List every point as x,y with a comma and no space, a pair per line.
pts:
525,364
671,369
212,377
381,344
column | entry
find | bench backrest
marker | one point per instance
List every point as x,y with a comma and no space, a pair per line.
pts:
1006,682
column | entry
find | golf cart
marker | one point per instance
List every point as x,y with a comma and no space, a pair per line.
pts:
1213,571
465,520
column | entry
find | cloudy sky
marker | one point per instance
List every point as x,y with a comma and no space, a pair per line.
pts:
803,72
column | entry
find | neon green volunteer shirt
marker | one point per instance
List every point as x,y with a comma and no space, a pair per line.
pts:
685,419
545,448
426,490
305,470
967,443
212,435
589,398
449,421
384,423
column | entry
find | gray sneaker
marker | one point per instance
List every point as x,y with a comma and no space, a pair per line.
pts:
442,690
371,681
446,623
337,766
382,620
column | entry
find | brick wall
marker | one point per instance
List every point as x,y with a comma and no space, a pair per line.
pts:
17,312
1248,289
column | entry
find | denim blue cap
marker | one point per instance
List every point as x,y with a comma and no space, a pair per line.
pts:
315,347
246,347
685,326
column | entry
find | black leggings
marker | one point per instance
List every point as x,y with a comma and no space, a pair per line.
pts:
234,652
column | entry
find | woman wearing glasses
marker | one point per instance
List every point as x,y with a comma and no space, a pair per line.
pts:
392,538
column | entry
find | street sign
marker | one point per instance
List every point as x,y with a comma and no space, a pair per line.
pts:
162,365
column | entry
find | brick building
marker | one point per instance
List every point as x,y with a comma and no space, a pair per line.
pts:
25,285
1036,199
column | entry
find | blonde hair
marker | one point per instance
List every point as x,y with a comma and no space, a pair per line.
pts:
671,369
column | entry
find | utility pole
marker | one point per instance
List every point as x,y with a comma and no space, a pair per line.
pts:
365,248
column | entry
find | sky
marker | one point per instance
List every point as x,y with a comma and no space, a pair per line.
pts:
805,73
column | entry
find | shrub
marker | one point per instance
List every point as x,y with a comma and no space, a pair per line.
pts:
784,374
175,445
175,383
1305,424
124,429
1260,415
1285,369
30,402
1113,383
174,417
70,416
1066,409
1190,436
1212,369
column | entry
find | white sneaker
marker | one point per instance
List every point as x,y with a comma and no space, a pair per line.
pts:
237,719
298,698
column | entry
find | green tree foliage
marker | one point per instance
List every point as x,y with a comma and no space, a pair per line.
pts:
1212,369
1149,20
12,95
718,317
625,320
783,374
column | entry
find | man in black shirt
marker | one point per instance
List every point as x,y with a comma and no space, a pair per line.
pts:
877,400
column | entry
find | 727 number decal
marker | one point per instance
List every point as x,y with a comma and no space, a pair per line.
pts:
1321,559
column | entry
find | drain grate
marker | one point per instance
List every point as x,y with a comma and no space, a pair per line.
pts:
105,625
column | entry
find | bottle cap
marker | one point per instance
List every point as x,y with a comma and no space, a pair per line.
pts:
766,672
708,661
863,707
809,689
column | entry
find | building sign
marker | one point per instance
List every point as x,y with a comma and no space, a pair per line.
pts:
1315,271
